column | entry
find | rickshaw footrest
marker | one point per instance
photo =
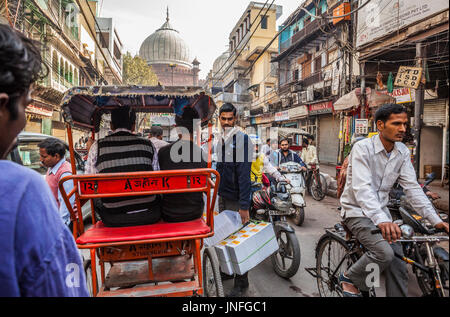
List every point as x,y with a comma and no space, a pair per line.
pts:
128,274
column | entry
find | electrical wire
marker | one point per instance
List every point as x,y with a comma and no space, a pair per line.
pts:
337,16
235,50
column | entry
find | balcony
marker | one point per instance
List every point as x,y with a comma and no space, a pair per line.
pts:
271,97
312,79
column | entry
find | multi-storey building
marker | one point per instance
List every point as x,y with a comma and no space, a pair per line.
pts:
70,52
315,65
243,74
391,34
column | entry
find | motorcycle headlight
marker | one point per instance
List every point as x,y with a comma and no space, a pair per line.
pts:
407,231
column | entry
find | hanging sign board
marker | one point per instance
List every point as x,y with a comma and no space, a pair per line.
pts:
361,126
281,116
408,77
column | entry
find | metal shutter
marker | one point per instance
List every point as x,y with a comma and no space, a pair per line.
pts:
434,112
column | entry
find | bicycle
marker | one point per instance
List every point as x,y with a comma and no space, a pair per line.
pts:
316,183
337,250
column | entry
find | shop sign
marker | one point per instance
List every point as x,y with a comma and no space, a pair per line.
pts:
402,95
281,116
408,77
297,112
321,108
267,117
39,110
382,17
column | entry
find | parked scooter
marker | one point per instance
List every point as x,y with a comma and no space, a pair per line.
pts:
297,188
273,204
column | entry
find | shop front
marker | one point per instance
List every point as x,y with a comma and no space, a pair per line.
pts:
327,134
39,118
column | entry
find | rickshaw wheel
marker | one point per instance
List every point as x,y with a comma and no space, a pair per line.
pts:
88,272
212,282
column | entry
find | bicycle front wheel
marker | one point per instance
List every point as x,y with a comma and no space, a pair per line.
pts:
332,260
318,187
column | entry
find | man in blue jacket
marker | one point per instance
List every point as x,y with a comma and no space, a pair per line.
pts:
39,255
235,156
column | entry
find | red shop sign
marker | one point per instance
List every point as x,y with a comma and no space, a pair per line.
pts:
320,108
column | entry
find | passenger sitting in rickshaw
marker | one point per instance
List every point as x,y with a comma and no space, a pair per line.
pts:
182,154
123,152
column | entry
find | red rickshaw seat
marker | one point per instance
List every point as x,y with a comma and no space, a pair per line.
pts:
101,234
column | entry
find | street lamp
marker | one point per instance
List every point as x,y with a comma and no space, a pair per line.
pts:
172,66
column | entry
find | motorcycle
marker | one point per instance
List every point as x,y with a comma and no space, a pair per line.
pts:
427,253
297,188
272,203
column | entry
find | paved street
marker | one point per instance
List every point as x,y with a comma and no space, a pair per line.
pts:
265,283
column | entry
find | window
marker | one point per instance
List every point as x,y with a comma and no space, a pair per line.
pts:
307,20
264,22
318,64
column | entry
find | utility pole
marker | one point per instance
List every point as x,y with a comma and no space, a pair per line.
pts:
362,66
418,109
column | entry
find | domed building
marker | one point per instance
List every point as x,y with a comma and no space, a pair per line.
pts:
170,58
215,77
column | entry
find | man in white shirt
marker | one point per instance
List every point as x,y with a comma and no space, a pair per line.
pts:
156,134
375,165
309,153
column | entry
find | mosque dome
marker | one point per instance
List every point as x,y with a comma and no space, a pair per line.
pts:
165,46
218,65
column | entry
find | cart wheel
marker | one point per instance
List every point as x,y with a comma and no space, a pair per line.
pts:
88,272
212,282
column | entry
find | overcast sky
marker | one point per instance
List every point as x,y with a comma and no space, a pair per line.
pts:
203,24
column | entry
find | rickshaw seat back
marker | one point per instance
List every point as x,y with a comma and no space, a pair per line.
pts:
161,230
144,184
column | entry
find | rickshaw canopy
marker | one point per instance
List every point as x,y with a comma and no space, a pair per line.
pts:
287,132
83,107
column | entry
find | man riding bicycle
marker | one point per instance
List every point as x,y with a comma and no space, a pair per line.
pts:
375,164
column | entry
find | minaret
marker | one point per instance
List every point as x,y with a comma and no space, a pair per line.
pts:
195,71
167,18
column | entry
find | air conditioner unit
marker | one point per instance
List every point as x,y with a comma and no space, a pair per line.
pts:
265,108
246,113
303,97
310,94
295,99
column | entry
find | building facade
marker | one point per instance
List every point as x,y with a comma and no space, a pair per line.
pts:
315,67
70,52
410,34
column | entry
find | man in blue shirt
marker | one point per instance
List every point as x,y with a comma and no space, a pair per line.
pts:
39,256
284,155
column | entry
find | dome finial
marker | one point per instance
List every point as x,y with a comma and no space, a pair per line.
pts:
167,18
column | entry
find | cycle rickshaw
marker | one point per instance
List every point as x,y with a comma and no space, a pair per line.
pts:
163,259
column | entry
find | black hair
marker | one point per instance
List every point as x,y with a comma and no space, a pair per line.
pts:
156,131
20,65
123,118
187,119
305,140
385,111
285,139
53,146
228,107
268,140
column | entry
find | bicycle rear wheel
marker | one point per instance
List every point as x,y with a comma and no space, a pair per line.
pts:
332,259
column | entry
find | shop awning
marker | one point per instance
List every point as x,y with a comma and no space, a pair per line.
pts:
352,99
